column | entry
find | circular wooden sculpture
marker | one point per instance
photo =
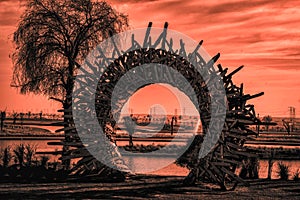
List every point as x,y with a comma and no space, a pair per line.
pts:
227,154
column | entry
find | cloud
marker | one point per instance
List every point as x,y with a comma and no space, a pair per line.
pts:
237,6
263,35
260,29
132,1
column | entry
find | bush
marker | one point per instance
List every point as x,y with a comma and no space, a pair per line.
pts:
27,167
250,168
44,160
29,154
284,171
24,154
5,156
19,154
296,175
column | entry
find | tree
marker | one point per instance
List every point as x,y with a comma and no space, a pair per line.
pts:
15,116
53,38
130,124
29,114
267,119
3,117
41,115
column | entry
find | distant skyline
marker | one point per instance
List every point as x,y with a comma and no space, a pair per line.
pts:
262,35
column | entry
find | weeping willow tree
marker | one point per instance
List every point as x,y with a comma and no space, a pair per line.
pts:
52,39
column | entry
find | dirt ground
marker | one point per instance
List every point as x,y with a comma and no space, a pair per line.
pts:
149,187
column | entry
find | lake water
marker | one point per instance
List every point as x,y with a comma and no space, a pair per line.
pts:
52,129
149,165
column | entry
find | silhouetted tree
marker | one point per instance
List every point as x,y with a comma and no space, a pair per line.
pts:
172,125
267,119
15,116
130,124
41,115
29,114
21,118
286,126
53,38
3,117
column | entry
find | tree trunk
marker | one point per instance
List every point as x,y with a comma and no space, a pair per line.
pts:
172,126
130,141
68,122
270,162
66,163
68,117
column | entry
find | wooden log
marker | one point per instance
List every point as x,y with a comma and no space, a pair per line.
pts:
234,176
224,164
211,175
242,137
243,153
229,161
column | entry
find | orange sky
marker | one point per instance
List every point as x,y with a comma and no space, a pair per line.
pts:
262,35
150,97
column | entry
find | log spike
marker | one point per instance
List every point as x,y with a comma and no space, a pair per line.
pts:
235,71
216,57
198,46
166,25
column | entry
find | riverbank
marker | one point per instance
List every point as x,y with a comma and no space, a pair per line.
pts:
151,187
29,137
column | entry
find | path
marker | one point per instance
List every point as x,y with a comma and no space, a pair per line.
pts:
150,187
